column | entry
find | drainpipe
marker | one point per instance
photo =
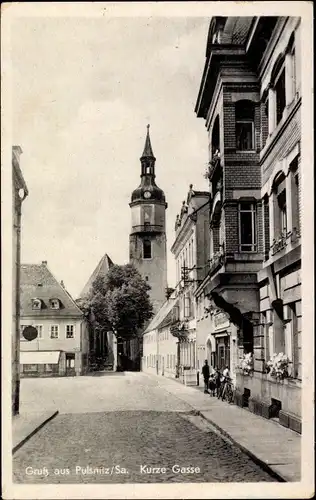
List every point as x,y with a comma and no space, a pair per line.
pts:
16,402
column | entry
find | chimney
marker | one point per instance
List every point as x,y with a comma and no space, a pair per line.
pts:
62,284
44,262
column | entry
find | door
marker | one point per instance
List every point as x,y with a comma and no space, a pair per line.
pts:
223,352
70,365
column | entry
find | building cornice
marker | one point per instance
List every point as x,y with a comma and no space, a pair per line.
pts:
185,231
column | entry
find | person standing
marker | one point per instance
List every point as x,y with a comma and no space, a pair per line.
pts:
206,375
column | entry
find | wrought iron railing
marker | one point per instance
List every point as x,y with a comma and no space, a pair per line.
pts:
283,239
216,261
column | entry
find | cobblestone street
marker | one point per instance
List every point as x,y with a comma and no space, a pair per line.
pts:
114,428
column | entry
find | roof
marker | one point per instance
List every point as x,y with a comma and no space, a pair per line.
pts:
38,282
101,270
148,152
163,316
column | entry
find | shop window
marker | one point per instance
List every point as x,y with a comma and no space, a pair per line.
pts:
147,251
245,113
294,339
30,368
247,227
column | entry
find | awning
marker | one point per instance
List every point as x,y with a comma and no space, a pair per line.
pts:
39,357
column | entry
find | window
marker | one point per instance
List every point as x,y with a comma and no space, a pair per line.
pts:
280,95
30,368
245,125
295,195
48,367
21,331
247,227
36,304
70,331
187,306
54,332
294,339
54,303
282,210
39,329
147,249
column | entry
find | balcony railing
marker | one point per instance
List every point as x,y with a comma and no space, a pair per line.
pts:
213,164
148,228
216,261
179,330
283,239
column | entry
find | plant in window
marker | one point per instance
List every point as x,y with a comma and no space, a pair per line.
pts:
278,366
246,364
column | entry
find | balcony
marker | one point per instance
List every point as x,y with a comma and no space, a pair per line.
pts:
147,228
216,262
179,330
284,239
212,166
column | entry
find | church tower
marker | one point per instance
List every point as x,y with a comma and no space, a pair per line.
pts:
148,249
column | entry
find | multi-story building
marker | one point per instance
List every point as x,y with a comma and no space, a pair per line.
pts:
54,338
159,345
19,194
250,99
191,251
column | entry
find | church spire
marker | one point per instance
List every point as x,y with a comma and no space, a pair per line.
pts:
148,152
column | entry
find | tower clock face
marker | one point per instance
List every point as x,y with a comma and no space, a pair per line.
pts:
147,194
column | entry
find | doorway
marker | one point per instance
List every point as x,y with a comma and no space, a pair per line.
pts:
70,365
223,352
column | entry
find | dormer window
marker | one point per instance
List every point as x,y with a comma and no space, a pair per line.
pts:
54,304
36,304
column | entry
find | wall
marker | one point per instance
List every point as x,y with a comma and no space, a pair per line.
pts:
167,353
150,352
263,388
60,344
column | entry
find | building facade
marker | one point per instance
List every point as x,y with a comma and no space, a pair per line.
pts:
148,251
19,193
250,100
61,345
159,345
191,250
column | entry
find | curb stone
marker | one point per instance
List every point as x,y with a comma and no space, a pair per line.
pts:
31,434
253,457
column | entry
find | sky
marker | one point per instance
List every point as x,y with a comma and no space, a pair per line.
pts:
83,91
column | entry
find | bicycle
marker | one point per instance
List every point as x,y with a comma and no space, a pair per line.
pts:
228,391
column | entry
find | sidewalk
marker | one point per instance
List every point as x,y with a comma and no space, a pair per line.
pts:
24,426
274,447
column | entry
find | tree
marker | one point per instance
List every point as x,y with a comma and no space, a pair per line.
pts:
119,302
